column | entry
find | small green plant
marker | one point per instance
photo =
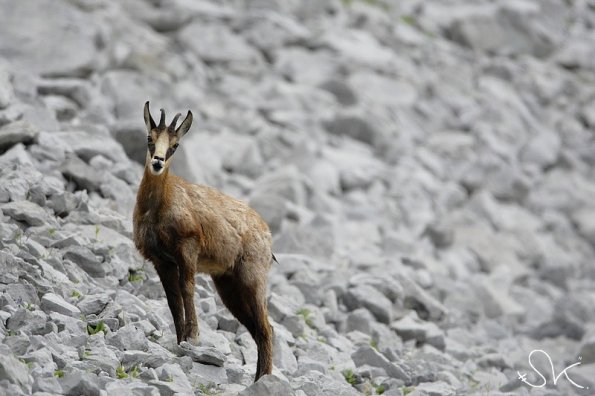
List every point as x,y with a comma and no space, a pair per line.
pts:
155,336
407,390
374,344
135,276
97,328
86,354
169,379
473,384
97,230
321,339
207,390
29,307
28,364
349,376
11,333
59,373
75,294
408,19
18,236
52,232
121,373
306,314
134,372
379,389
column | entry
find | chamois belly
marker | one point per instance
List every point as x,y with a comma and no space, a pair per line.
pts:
210,266
160,249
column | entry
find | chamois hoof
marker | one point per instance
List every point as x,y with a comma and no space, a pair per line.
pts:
192,340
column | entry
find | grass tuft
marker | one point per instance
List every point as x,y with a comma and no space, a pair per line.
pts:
121,373
97,328
136,276
349,376
307,315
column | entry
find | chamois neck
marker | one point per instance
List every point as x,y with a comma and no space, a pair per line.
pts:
154,190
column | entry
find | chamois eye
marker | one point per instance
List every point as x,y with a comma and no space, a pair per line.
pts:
175,146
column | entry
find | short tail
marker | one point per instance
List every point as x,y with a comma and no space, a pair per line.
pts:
275,258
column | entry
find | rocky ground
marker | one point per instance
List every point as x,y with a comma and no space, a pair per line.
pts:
426,169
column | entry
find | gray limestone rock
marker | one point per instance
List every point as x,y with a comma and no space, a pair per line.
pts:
438,388
16,132
205,355
172,380
268,385
6,89
353,126
587,350
30,322
12,370
93,304
79,172
410,327
79,382
283,356
368,297
218,44
367,355
127,338
85,259
495,28
51,302
27,212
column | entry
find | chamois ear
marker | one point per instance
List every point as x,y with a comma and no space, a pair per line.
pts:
185,125
148,119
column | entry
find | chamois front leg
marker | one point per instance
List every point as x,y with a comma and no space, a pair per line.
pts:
187,287
168,273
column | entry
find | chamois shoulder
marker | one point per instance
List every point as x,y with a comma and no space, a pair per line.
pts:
226,208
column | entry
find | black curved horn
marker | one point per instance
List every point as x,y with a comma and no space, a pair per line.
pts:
148,118
162,120
172,126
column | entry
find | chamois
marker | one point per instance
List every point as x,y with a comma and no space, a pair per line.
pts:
185,228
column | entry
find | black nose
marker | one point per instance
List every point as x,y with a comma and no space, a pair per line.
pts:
157,166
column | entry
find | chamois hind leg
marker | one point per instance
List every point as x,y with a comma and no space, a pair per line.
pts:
245,297
168,273
187,288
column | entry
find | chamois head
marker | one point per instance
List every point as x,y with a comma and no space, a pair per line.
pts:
163,140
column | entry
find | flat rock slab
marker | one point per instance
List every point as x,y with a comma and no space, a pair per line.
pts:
16,132
204,355
51,302
268,385
28,212
12,369
410,327
367,355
